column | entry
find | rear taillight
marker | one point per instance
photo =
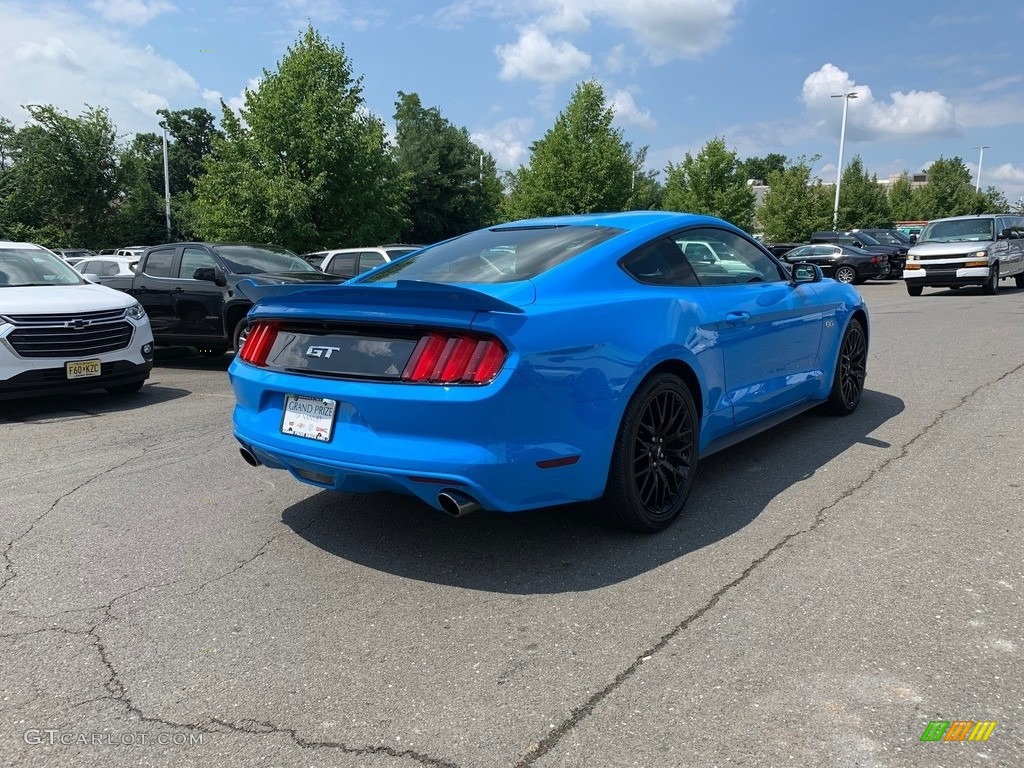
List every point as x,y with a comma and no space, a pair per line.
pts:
257,344
441,359
876,259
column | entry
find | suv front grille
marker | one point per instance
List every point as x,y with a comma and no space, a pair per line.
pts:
66,335
102,316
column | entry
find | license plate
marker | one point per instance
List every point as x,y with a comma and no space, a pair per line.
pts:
311,417
82,369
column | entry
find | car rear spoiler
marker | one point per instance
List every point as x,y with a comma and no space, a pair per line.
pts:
404,293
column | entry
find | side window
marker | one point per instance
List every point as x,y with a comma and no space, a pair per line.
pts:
192,259
828,251
85,267
159,263
370,259
736,259
659,263
110,268
343,264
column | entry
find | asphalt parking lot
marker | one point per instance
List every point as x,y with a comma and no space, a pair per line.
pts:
835,585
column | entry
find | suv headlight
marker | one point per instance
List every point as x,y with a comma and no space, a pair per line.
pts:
135,312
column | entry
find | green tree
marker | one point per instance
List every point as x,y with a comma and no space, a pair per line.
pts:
711,183
904,201
862,200
795,206
581,165
191,133
646,192
451,185
60,187
309,167
760,167
949,191
140,218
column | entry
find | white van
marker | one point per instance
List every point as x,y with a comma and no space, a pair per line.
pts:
967,250
62,333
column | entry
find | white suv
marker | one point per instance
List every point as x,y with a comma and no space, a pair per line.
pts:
349,262
61,333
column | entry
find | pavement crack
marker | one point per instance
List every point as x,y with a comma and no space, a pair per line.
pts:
580,713
10,574
262,550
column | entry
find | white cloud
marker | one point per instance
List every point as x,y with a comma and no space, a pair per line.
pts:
627,111
535,57
913,115
617,60
666,29
506,141
1008,178
54,61
131,11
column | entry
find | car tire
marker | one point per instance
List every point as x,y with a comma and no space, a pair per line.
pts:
846,274
915,290
659,429
126,389
239,334
1019,280
991,286
850,371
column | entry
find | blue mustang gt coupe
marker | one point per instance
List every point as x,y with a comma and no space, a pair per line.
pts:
547,361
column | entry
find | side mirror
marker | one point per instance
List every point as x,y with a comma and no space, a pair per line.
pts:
913,238
210,274
806,273
858,243
1006,234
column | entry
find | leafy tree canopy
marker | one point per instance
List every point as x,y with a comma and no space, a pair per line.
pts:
711,183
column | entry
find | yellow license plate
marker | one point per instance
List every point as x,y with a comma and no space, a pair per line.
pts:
81,369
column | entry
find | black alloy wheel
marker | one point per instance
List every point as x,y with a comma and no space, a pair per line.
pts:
851,370
655,457
240,334
991,287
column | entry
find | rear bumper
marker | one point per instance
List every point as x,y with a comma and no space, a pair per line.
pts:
486,442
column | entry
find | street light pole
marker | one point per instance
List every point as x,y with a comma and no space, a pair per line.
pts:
167,188
842,143
981,156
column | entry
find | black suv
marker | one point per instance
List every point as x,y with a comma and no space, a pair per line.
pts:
860,238
190,290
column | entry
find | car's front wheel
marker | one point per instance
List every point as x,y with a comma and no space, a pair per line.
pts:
991,287
915,290
846,274
655,457
851,370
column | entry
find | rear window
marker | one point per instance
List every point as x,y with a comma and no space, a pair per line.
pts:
499,255
248,259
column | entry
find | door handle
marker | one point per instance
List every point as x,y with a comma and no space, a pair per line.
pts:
178,290
737,318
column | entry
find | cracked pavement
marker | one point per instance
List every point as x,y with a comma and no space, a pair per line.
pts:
834,586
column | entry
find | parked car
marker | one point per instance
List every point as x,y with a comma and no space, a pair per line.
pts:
349,262
74,255
542,362
190,290
846,263
967,250
132,251
111,271
887,236
860,239
60,333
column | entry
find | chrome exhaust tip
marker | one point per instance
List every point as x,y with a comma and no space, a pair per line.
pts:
249,457
457,504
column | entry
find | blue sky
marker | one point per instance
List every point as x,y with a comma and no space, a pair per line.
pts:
935,78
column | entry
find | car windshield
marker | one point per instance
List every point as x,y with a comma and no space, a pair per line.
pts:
958,230
865,238
250,259
892,238
21,267
499,255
